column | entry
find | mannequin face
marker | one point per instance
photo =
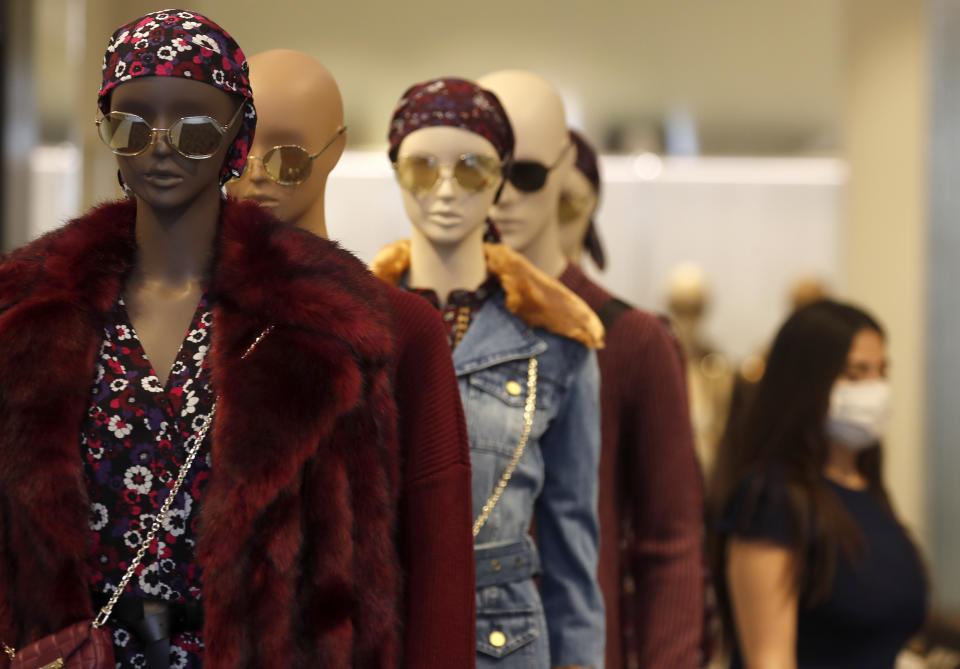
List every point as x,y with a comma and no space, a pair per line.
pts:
447,213
577,206
540,127
298,103
160,177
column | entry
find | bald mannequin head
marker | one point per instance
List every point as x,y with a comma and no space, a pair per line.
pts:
298,102
528,220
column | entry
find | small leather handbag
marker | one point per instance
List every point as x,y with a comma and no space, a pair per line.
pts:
80,646
86,644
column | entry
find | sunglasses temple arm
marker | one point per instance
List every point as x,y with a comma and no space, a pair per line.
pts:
333,139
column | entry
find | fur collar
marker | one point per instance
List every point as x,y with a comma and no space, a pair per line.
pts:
530,294
315,389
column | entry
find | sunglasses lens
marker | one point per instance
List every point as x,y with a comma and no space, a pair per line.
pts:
475,173
417,174
287,165
125,134
528,175
195,136
569,210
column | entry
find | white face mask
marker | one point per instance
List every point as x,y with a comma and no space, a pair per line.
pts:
859,411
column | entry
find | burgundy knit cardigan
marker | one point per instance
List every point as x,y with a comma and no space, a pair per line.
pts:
651,496
436,542
297,537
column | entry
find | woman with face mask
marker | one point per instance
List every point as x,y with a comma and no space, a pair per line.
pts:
814,569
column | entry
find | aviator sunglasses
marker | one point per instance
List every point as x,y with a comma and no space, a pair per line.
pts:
290,164
529,175
193,137
420,173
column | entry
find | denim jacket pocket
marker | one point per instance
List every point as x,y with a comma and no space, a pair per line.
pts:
497,395
500,633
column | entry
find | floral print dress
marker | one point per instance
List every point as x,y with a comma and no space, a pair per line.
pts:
132,445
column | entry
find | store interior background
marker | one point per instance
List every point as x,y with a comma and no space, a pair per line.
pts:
762,140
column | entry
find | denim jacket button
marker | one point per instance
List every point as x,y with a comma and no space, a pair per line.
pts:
513,388
496,567
498,639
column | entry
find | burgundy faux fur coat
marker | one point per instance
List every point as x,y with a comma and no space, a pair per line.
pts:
296,537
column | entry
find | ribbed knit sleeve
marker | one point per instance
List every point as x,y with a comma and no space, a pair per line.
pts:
652,577
436,545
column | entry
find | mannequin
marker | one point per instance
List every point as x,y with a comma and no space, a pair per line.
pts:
527,383
298,102
528,220
710,375
579,198
650,491
301,101
131,330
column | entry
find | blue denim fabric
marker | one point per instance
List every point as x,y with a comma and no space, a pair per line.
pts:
553,487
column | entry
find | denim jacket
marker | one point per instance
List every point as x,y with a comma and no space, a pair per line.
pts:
554,486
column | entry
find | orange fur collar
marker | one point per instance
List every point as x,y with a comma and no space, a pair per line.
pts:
532,295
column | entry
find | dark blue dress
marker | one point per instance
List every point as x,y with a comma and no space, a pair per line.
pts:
877,603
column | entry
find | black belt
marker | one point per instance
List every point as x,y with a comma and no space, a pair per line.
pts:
154,622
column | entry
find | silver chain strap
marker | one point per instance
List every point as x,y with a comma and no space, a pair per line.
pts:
192,450
528,410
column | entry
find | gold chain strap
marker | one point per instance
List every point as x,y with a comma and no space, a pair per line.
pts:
158,521
528,409
192,451
11,653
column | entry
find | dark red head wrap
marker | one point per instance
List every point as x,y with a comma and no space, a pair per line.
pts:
586,160
452,102
588,165
180,43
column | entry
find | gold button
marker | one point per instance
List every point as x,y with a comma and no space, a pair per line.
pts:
496,565
513,388
498,639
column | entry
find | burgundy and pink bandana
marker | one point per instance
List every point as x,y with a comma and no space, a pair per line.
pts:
180,43
452,102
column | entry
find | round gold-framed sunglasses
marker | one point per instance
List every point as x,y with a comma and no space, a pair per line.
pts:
419,173
195,137
291,164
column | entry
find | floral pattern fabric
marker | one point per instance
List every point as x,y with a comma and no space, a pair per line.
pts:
133,445
461,307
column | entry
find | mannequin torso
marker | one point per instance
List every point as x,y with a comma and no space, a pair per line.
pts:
650,497
501,359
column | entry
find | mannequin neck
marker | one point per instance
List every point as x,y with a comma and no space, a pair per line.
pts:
576,256
314,218
545,251
174,246
687,331
443,269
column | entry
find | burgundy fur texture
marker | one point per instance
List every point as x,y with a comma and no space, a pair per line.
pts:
296,539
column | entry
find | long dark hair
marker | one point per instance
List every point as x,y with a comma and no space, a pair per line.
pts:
783,433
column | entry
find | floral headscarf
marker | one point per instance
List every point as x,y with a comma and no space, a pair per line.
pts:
180,43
